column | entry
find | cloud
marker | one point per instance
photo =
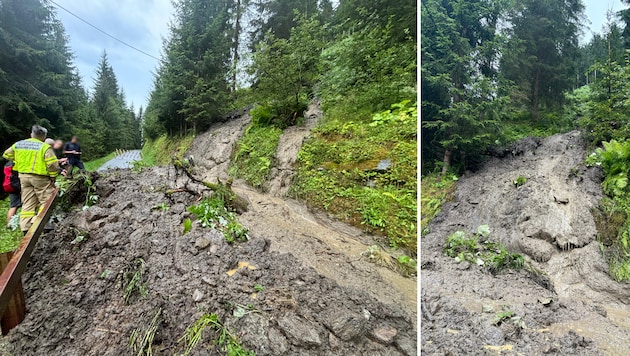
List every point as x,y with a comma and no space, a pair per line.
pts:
141,23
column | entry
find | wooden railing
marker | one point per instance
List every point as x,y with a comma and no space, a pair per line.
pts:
11,277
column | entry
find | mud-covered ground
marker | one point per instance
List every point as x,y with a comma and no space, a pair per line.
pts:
571,307
75,299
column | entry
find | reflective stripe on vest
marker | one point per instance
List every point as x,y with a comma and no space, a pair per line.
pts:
30,156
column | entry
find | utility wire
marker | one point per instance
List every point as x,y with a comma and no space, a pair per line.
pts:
103,32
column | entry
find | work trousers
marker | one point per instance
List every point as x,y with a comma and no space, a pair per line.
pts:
35,192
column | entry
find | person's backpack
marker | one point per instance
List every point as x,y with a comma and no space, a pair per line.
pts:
11,182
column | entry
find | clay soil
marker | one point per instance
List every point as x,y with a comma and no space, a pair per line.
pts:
569,305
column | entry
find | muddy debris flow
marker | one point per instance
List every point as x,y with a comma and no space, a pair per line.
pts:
569,305
301,279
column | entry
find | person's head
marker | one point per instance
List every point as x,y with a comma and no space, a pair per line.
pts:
58,144
50,141
75,139
39,132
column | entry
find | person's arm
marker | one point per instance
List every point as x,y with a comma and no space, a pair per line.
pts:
9,154
65,150
52,164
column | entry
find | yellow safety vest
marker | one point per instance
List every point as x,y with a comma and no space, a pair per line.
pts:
30,157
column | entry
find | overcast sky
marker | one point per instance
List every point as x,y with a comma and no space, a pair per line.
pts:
143,24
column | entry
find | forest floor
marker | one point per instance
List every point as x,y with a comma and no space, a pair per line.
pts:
565,303
300,285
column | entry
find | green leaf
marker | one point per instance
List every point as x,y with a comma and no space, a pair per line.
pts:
483,230
187,226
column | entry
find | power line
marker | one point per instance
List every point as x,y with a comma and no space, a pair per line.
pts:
103,32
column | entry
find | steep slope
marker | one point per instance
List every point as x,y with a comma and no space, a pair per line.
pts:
573,306
301,279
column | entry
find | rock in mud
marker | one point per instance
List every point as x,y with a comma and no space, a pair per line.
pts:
299,330
346,325
197,295
95,213
202,242
539,250
385,335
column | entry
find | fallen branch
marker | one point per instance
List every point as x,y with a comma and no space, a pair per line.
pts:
221,190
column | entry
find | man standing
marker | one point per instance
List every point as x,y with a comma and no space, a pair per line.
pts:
38,167
72,150
63,162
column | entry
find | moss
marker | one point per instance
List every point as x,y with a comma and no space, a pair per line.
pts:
337,173
255,153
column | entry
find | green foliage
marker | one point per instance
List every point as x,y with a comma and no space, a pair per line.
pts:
436,189
212,213
493,256
134,281
337,173
187,226
259,288
541,51
285,71
255,152
226,340
9,238
364,71
612,218
91,197
95,164
519,181
159,152
191,88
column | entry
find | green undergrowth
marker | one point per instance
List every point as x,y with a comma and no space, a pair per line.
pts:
224,338
93,165
477,249
435,190
255,153
337,173
9,237
612,216
160,151
213,213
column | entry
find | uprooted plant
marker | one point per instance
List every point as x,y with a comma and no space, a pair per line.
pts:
134,283
492,255
213,213
141,339
224,338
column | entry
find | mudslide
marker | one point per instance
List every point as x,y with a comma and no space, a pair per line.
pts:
331,247
571,305
124,267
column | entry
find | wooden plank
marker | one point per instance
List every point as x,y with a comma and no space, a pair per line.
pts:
12,274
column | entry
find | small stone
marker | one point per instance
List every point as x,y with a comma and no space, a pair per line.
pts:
385,335
202,242
384,165
197,295
160,275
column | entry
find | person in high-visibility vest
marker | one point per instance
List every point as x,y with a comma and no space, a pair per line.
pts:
37,166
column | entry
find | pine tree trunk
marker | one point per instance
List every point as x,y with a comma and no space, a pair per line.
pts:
235,43
447,160
536,94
